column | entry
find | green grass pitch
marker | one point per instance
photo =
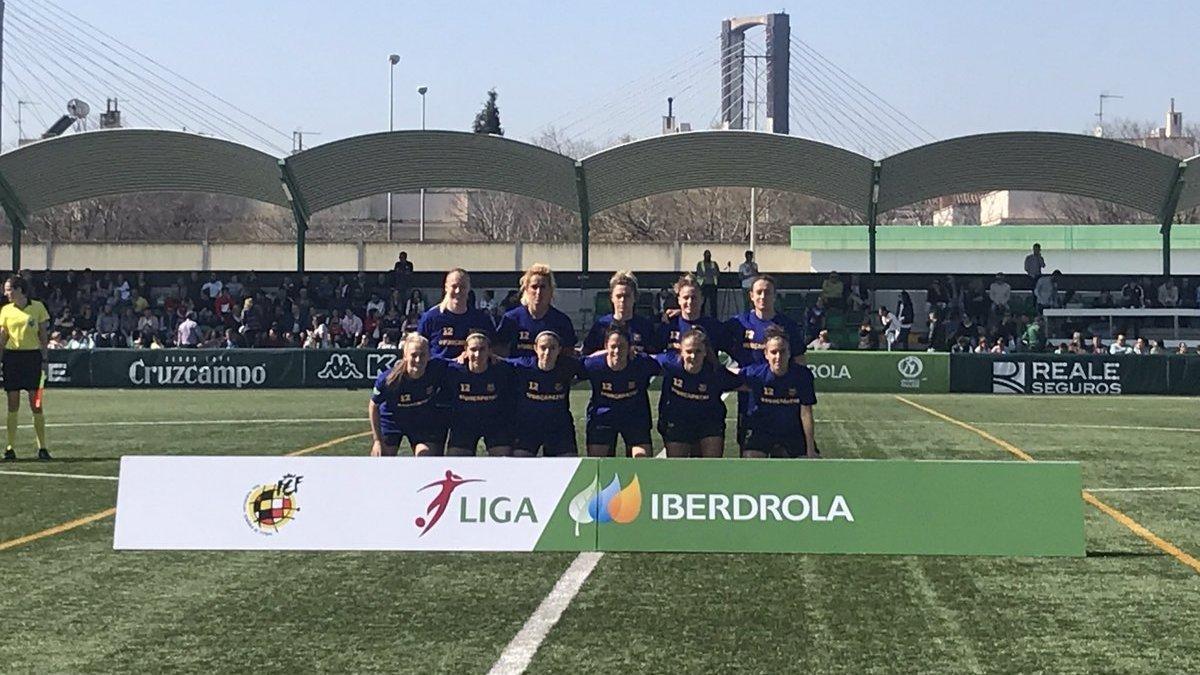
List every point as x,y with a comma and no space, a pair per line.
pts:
69,603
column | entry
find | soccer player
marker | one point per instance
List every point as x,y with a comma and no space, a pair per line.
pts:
691,413
623,291
746,333
542,386
403,402
620,403
520,325
779,417
481,396
676,323
24,336
447,324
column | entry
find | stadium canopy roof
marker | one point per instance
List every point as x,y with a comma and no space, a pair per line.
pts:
1189,195
100,163
338,172
727,159
121,161
1048,162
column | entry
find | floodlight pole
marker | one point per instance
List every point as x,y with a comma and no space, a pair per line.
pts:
421,228
393,59
1167,216
873,215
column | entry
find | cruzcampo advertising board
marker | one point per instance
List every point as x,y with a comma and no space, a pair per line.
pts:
580,504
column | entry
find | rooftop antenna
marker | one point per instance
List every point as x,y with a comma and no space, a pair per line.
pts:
298,139
1100,113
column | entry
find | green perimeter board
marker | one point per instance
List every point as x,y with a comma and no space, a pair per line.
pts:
880,372
898,507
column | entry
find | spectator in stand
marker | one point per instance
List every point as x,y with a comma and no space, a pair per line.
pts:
1156,347
352,326
1140,347
998,347
975,301
1119,346
1105,301
1035,336
982,346
251,322
856,297
121,290
1076,346
188,332
402,273
906,313
1045,291
747,272
365,342
320,333
223,306
488,304
390,340
1133,296
708,276
967,329
235,287
961,346
938,298
935,340
411,324
1096,346
231,339
80,341
1181,348
832,290
866,336
415,303
371,325
891,328
212,288
1168,294
1034,262
821,342
814,318
128,322
999,293
148,323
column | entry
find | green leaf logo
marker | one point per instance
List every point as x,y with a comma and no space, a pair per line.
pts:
578,507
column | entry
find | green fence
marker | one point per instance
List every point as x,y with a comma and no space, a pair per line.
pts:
880,372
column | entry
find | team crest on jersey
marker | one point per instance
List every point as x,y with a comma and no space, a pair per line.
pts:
558,386
491,388
791,392
703,388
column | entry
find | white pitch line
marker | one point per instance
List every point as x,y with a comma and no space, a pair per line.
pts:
57,475
1043,425
516,656
1161,488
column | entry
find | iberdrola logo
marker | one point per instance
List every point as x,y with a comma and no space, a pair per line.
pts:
612,504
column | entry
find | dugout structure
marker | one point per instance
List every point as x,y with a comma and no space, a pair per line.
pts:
121,161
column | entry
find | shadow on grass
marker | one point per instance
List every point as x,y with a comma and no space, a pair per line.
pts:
1124,554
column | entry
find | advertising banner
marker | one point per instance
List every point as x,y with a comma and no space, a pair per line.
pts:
485,504
346,368
196,369
1084,375
69,368
880,372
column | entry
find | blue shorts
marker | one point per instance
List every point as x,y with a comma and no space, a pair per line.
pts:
774,445
633,432
433,437
468,436
690,433
555,440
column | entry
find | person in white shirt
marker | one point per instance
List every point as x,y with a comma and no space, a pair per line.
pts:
1119,346
188,332
747,272
999,292
377,303
891,328
1046,290
351,324
212,287
821,342
1168,294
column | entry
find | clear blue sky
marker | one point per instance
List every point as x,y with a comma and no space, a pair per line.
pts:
956,67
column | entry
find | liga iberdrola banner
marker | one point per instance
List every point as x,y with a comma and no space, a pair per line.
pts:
574,504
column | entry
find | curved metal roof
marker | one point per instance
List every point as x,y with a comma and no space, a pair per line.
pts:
1189,196
398,161
726,159
121,161
1048,162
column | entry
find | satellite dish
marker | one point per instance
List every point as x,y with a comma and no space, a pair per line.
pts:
78,109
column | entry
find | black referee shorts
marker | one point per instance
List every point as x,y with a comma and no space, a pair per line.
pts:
22,369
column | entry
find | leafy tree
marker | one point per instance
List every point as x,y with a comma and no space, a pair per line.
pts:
487,121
